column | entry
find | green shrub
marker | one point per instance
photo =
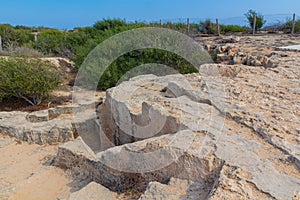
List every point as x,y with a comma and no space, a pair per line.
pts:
133,59
13,38
107,24
22,52
81,51
29,79
51,42
289,25
181,27
26,52
232,29
208,27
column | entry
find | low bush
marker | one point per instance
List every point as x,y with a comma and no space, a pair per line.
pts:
50,42
26,52
179,26
107,24
208,27
22,52
81,51
137,58
12,38
29,79
289,25
232,29
278,26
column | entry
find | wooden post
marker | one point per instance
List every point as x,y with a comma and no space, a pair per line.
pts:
254,24
0,43
294,23
218,26
188,26
160,22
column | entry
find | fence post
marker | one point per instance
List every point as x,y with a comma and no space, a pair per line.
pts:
160,22
254,24
188,25
218,27
294,23
35,37
0,43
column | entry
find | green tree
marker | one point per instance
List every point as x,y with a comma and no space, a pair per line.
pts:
260,21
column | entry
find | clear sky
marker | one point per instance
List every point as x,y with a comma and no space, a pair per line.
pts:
66,14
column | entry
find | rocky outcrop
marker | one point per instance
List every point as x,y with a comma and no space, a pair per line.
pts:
194,133
125,167
230,54
47,126
45,132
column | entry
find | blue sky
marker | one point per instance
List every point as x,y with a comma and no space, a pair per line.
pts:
66,14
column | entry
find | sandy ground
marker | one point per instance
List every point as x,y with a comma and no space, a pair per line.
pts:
25,168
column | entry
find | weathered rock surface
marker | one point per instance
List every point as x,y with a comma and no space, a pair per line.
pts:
250,49
176,189
48,126
125,167
229,132
16,124
233,55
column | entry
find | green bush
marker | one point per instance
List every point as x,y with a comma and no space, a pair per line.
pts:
107,24
181,27
232,29
29,79
51,42
13,38
132,59
22,52
81,51
289,25
260,21
140,57
208,27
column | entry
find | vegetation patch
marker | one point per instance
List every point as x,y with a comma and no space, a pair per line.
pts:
28,79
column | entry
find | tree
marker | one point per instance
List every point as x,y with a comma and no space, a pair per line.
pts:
260,21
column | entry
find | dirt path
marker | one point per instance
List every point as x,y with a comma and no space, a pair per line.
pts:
25,173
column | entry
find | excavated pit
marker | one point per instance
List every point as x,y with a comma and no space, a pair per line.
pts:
96,168
111,148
